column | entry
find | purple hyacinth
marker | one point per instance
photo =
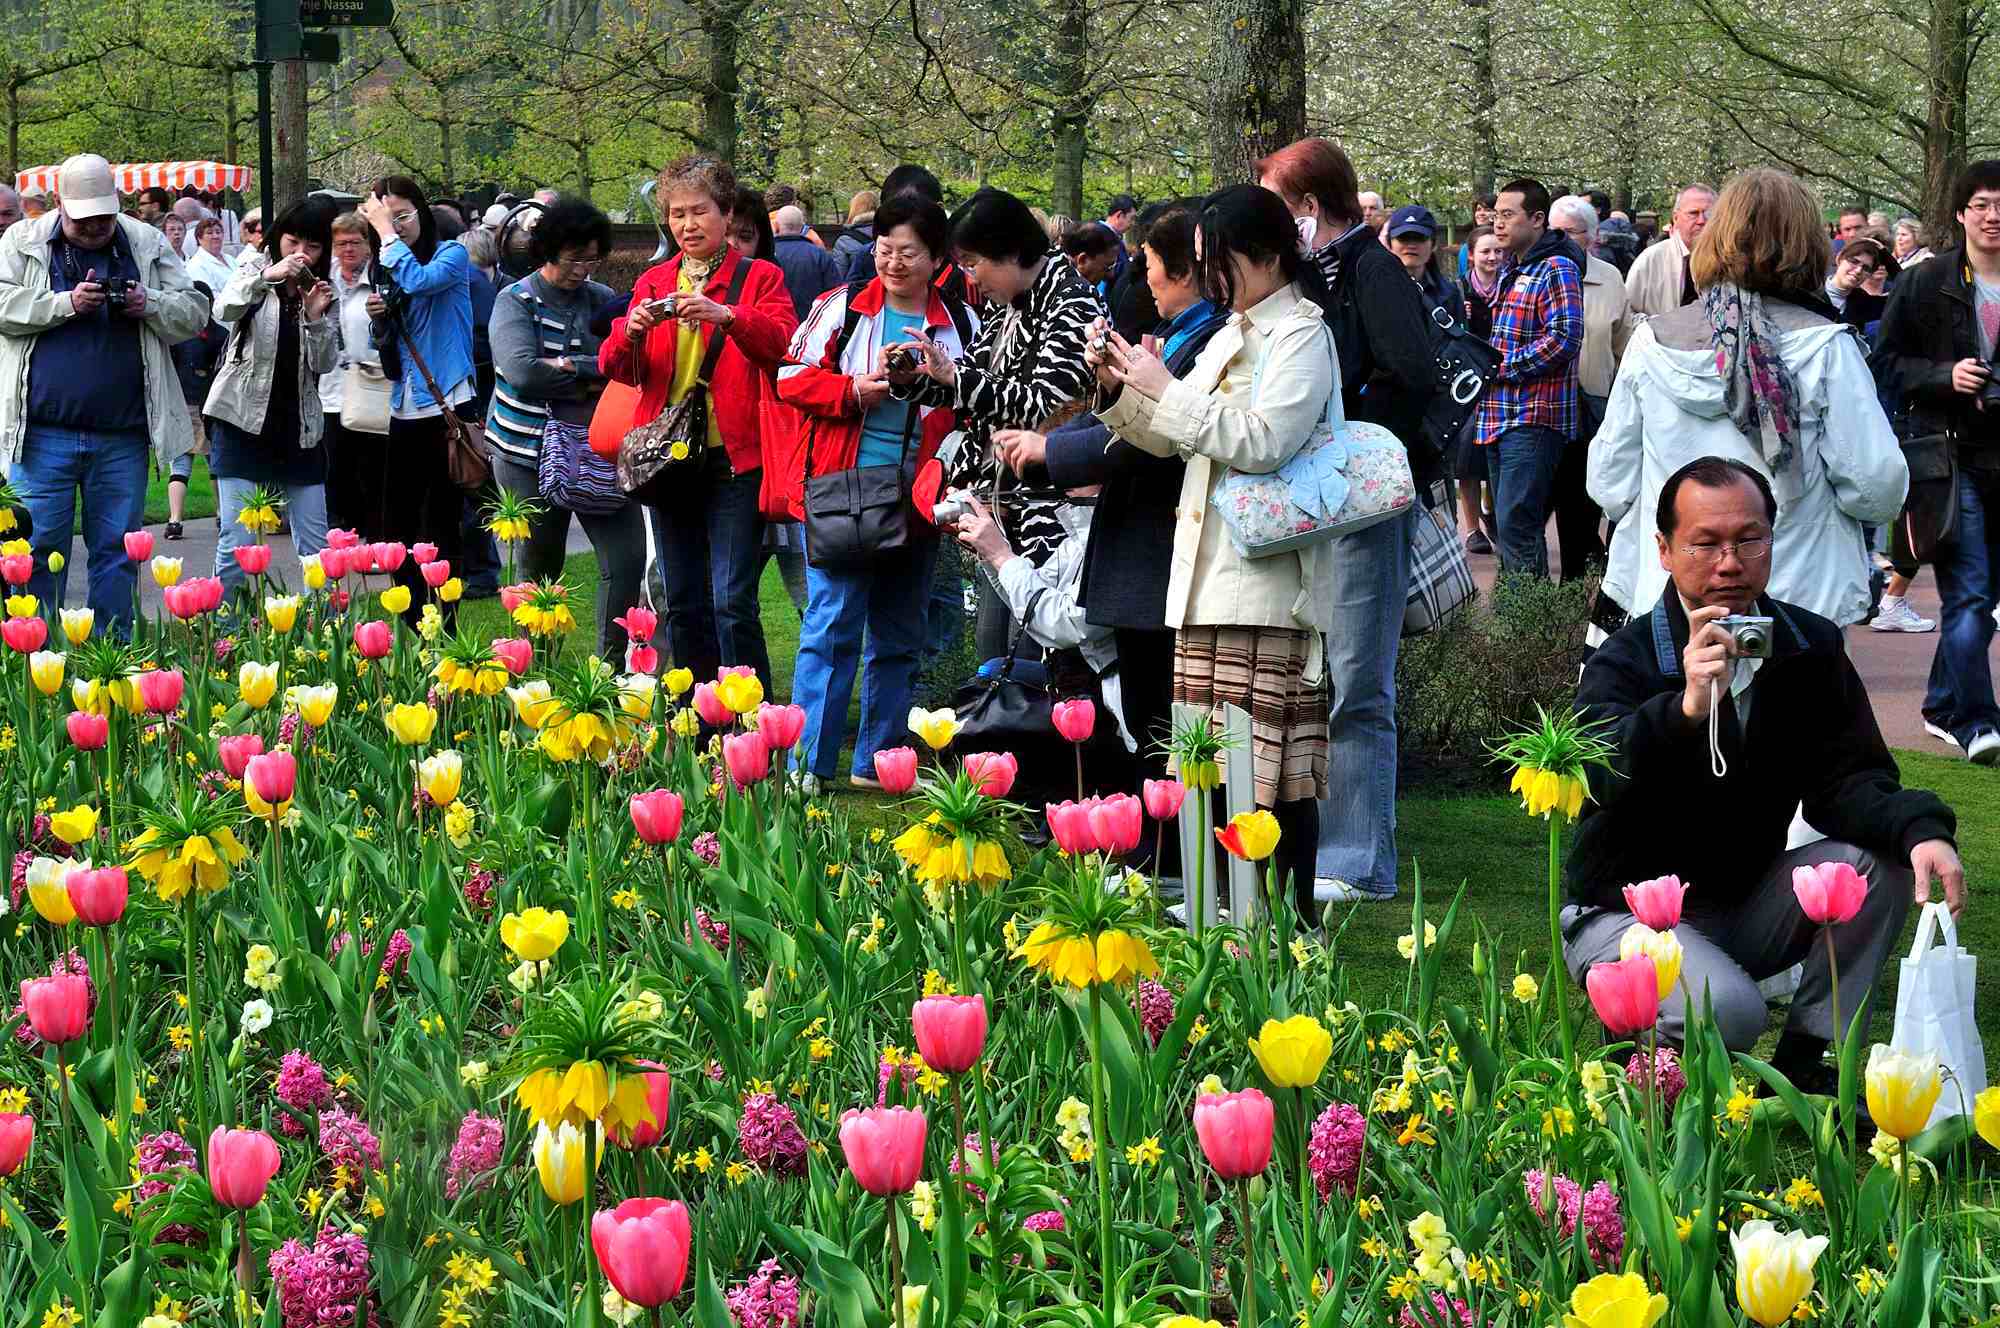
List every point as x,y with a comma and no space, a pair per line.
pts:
707,847
302,1086
1156,1008
475,1154
1334,1150
770,1299
325,1284
348,1142
1603,1226
1668,1081
1442,1314
479,888
769,1134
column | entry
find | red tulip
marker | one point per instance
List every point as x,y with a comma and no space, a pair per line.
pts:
709,706
992,772
388,556
1626,994
512,596
160,690
884,1147
780,725
373,638
1116,823
58,1007
639,622
642,659
341,539
1831,892
273,776
1069,823
16,568
334,562
517,653
747,756
1657,902
236,750
435,573
16,1133
240,1166
659,1097
424,553
1076,720
950,1031
254,559
87,731
138,545
642,1245
98,894
1164,798
1235,1132
896,768
25,634
657,815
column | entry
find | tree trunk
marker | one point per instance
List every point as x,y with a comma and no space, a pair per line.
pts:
1485,98
1257,101
13,129
1066,190
288,168
1070,125
1946,75
718,99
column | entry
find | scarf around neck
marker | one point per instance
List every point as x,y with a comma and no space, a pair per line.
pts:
1757,388
699,270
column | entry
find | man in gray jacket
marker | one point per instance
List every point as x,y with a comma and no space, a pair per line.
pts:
90,303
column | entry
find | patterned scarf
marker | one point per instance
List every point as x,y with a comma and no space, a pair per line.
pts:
1757,388
699,270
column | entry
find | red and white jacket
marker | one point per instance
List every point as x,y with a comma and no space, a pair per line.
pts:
820,387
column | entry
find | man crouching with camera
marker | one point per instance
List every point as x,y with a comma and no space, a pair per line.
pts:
1729,711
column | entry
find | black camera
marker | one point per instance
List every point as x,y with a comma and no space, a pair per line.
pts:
116,289
902,359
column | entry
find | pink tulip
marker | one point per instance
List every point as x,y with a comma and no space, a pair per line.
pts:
1164,798
16,568
240,1166
511,597
884,1147
517,653
1235,1132
236,750
642,659
747,756
1657,902
160,690
740,670
254,559
181,601
138,545
896,769
1070,824
657,815
273,776
58,1007
993,772
1117,822
709,706
1626,994
659,1097
25,634
950,1031
781,725
373,638
88,732
639,622
435,573
1831,892
388,556
17,1132
98,894
341,539
333,562
1076,720
642,1246
424,553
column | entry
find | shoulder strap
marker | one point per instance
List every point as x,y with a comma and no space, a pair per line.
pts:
851,319
961,321
717,337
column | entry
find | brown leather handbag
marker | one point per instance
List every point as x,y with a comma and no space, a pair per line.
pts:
465,458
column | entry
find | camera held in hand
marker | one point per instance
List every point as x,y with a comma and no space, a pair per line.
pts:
903,360
955,504
1750,631
115,291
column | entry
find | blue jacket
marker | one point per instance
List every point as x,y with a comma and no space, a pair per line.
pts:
810,271
438,317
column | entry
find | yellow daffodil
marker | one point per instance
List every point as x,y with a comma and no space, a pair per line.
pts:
1902,1090
199,861
1292,1052
75,825
1526,989
1615,1300
281,611
77,625
536,934
411,724
1774,1270
1545,791
45,667
256,683
439,775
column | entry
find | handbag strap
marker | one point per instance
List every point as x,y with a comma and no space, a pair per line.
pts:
902,458
716,338
403,335
1332,398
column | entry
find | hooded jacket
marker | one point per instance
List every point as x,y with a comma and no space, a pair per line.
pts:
1667,409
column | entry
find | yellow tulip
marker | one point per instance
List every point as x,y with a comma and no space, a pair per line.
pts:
396,599
1986,1115
1252,836
1615,1300
635,694
316,703
75,825
678,681
166,571
1902,1089
48,889
77,625
56,560
46,668
22,606
440,775
559,1161
256,683
532,703
411,724
1292,1052
451,590
936,727
314,572
740,693
1774,1270
1660,946
535,934
281,611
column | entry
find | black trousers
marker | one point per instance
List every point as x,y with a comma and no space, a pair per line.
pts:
1579,521
420,504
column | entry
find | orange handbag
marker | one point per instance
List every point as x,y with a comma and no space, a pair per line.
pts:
613,418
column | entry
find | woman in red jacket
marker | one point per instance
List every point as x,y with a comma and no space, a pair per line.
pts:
707,522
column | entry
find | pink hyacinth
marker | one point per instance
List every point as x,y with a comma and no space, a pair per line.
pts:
769,1134
1048,1220
397,951
885,1071
715,933
1569,1197
303,1087
1334,1150
161,1156
478,888
961,1162
1453,1313
770,1299
1603,1225
1669,1079
348,1142
707,847
325,1284
1156,1009
475,1154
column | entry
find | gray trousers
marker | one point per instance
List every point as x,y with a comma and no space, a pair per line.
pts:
619,540
1729,953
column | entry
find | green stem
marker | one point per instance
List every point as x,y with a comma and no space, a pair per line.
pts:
1100,1144
1246,1219
192,955
1840,1023
62,1090
1305,1188
583,1214
895,1265
1558,972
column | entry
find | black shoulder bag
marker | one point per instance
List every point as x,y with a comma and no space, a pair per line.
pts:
857,519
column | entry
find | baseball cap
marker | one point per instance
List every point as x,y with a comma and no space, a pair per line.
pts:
495,216
87,188
1413,219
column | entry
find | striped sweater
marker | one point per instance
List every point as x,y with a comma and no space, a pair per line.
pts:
533,325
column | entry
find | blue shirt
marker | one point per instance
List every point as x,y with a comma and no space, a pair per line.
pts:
882,428
1182,325
86,372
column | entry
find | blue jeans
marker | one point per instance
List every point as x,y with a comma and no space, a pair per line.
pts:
110,469
1523,474
944,613
305,507
1364,584
711,546
1961,689
889,603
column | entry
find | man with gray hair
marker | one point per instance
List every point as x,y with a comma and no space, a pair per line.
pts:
10,206
1607,326
1659,282
810,271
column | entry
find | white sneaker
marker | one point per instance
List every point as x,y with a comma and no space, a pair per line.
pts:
1328,889
1896,615
1984,749
1942,734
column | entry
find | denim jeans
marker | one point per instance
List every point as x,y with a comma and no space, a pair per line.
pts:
1523,472
1961,688
1364,584
889,603
711,538
111,470
619,540
305,505
944,615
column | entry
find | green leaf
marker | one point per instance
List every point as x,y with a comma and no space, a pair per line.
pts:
1479,1057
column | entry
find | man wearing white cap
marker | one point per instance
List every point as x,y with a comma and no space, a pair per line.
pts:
90,303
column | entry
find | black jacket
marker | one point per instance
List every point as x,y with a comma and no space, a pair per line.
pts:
1929,326
810,271
1812,739
1131,547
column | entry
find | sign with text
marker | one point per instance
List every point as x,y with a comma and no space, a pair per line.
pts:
346,13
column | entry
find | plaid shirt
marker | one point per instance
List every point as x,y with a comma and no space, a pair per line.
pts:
1538,330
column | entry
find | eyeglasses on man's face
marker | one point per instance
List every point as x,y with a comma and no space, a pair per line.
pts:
1754,550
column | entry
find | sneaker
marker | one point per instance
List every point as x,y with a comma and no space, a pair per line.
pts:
804,781
1330,890
1984,749
1477,542
1941,733
174,531
1896,615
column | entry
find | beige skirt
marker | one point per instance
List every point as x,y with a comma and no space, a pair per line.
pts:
1262,670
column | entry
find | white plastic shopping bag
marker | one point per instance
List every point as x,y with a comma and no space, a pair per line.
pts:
1934,1011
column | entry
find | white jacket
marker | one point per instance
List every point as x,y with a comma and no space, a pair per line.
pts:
241,393
1666,410
175,311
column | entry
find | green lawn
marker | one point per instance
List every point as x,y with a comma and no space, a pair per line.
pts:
200,496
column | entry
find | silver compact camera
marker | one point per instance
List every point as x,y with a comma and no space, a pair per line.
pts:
1750,631
666,306
954,505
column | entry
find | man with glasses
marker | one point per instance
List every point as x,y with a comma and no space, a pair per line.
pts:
1721,730
1861,260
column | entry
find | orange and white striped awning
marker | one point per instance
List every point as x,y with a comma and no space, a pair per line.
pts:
208,176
